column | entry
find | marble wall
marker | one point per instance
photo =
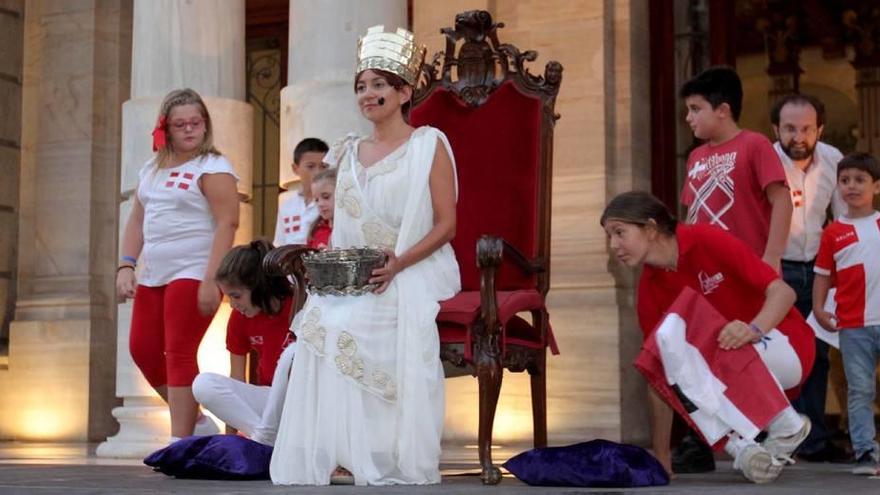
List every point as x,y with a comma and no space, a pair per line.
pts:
11,41
601,148
76,72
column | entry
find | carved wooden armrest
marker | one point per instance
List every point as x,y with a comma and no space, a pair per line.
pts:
490,254
287,261
528,266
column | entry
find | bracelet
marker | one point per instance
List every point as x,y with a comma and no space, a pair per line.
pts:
131,259
759,334
119,269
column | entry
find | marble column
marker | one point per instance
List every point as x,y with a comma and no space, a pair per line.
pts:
197,44
11,41
59,381
319,98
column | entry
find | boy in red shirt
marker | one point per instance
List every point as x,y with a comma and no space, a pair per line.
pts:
848,260
735,179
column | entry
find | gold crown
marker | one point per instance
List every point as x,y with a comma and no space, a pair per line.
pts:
395,52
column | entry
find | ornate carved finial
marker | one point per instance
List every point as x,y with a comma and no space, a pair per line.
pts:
482,63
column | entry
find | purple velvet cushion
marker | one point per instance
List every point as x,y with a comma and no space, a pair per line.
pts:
223,457
597,463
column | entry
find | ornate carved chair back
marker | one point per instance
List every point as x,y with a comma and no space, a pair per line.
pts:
499,119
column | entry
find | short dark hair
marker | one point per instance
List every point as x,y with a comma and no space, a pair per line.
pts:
638,207
717,85
860,161
243,267
811,100
308,145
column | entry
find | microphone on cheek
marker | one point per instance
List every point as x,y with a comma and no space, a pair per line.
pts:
380,101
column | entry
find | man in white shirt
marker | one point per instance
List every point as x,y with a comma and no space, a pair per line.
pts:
811,170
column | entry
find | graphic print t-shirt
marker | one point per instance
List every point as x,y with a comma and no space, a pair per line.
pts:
725,186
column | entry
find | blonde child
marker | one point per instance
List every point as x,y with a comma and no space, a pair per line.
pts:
323,190
182,222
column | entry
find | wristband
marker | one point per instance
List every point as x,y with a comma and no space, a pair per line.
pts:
119,269
131,259
759,334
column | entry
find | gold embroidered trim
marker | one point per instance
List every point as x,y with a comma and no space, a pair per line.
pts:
378,234
349,364
386,166
313,333
346,362
383,382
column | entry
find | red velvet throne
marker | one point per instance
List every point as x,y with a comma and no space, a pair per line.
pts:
499,119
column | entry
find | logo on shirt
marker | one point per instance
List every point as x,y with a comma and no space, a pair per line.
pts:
848,236
797,198
708,283
292,224
182,181
712,187
256,340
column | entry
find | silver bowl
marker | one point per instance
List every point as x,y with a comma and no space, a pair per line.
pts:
342,271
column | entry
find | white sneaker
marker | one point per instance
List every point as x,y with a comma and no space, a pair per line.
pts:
757,465
782,448
205,426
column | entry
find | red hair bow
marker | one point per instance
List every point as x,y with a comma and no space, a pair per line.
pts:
160,139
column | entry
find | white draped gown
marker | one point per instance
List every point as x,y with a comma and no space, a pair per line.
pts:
366,391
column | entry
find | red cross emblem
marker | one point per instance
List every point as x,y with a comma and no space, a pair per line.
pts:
181,180
292,224
797,197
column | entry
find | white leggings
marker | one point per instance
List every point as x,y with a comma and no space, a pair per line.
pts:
251,409
716,415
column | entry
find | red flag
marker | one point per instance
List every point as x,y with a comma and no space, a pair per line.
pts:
747,388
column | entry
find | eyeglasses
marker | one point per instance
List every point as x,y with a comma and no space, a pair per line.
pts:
180,125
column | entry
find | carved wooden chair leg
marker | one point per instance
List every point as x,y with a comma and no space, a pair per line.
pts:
538,376
489,375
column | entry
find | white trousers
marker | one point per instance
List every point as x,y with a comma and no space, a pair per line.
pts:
716,415
251,409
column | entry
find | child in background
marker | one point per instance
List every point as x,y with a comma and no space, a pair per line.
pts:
260,322
735,179
297,209
848,260
323,190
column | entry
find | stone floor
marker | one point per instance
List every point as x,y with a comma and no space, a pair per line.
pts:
74,470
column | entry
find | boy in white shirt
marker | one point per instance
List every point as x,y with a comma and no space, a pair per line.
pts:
297,209
848,260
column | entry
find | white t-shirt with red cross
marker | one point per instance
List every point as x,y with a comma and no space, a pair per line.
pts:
295,217
849,253
178,224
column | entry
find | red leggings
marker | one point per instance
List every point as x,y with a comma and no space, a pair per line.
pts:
166,330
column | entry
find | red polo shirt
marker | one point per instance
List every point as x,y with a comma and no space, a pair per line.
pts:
728,273
266,334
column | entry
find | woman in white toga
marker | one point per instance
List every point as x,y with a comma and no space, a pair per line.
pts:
366,389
